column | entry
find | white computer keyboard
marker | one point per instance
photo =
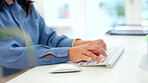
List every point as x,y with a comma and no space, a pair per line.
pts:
113,54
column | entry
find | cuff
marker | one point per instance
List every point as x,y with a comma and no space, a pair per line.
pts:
60,55
57,52
53,60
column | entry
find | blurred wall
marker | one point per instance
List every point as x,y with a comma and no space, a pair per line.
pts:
39,6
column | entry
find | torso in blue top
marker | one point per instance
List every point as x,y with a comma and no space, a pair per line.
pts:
45,40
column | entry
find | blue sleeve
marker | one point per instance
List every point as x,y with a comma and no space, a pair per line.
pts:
15,56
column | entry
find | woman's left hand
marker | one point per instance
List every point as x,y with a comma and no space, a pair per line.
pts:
98,42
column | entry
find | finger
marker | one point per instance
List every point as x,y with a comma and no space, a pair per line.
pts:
85,58
96,48
93,56
104,44
95,52
101,45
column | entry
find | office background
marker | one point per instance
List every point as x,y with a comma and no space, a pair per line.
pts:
85,18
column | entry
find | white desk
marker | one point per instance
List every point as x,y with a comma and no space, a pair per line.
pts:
126,69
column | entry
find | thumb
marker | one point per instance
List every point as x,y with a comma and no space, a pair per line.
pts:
86,58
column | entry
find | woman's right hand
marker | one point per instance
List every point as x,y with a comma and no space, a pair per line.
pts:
85,53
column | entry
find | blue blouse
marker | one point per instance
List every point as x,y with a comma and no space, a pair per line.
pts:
45,40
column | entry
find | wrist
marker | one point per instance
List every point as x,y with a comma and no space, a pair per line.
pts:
76,42
47,56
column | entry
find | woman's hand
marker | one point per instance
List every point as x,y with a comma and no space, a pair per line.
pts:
85,52
99,42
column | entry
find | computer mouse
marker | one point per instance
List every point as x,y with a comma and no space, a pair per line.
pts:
65,68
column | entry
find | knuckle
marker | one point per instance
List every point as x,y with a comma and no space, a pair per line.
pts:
96,57
89,53
84,46
102,52
89,44
96,47
97,42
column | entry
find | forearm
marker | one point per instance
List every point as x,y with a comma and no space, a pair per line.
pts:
19,57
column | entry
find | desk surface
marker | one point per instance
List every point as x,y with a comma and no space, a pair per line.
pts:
125,70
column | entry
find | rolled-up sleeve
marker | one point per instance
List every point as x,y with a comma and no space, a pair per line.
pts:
15,56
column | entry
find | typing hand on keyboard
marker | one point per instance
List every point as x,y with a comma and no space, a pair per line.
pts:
96,53
84,53
102,58
113,54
